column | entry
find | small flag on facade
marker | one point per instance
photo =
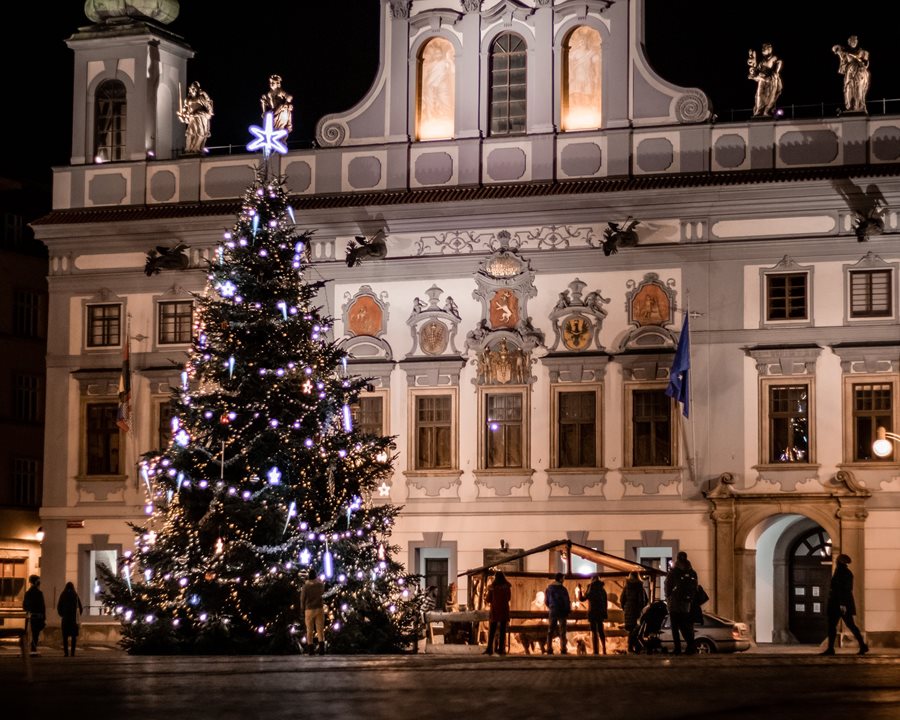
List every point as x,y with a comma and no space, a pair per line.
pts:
123,414
681,368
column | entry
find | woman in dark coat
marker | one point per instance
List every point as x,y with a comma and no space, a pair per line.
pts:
634,598
842,606
498,595
69,608
598,611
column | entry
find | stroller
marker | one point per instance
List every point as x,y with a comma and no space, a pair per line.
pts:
649,627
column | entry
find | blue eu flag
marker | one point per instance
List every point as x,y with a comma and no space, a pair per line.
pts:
681,367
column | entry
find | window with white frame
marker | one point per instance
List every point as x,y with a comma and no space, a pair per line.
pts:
508,88
434,431
871,403
505,427
787,296
104,325
110,121
871,293
12,581
175,322
368,414
650,429
102,439
577,427
788,422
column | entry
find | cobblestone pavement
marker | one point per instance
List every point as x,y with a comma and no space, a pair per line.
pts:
103,683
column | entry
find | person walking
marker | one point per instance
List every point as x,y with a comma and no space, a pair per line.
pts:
559,604
598,611
634,599
841,605
70,609
498,596
681,587
33,603
313,608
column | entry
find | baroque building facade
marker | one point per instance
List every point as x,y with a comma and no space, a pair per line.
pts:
517,326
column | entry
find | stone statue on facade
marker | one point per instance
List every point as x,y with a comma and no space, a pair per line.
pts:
195,112
279,103
854,66
766,72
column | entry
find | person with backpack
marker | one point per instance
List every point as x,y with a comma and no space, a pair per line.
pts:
681,588
556,597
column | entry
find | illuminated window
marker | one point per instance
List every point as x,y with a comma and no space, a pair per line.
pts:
12,582
581,85
109,121
437,90
508,87
789,437
872,408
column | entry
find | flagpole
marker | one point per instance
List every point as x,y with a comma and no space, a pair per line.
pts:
693,448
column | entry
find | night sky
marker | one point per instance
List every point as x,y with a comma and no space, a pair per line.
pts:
327,53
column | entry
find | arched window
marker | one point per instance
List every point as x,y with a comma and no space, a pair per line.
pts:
437,90
508,88
581,80
109,121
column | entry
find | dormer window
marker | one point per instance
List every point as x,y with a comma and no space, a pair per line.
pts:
508,86
437,90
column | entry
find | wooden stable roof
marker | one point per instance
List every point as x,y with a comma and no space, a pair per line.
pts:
606,560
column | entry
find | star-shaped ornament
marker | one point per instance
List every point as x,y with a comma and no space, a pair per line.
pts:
267,138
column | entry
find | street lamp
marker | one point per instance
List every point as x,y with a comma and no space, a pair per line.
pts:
883,445
39,535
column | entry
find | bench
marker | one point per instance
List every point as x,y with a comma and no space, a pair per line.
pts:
14,624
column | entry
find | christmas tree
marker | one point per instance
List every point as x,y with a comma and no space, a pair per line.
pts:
265,479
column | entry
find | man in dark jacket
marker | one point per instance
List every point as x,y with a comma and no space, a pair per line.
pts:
556,597
841,605
633,601
33,603
598,611
681,586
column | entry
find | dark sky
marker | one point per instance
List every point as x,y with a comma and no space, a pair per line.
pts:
327,54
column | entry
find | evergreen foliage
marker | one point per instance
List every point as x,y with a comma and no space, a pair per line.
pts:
265,478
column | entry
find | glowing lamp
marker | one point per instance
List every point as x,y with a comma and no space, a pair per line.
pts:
884,442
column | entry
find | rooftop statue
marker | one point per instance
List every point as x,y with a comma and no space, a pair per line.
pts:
196,111
122,11
855,69
766,71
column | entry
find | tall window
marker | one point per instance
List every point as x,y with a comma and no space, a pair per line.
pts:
104,325
175,322
368,415
12,582
25,313
93,603
786,296
870,293
434,432
581,98
102,441
109,121
437,90
27,398
651,428
505,439
789,424
872,409
576,429
26,483
164,427
508,87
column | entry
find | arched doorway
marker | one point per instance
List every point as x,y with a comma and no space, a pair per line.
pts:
809,575
740,518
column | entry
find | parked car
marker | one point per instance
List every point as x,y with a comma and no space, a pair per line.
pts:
714,635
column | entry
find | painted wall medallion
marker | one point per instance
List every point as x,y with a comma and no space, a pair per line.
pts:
650,306
365,316
577,332
504,309
433,337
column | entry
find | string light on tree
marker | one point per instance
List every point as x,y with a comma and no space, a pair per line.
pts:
266,477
